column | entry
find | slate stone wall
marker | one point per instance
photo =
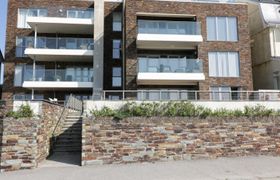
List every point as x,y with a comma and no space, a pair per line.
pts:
28,141
106,141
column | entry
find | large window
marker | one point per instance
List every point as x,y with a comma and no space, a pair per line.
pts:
117,21
22,43
24,13
222,29
117,77
116,49
224,64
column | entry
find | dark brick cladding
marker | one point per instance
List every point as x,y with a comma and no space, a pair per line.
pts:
109,36
201,10
12,32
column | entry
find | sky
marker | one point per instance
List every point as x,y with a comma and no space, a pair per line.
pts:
3,17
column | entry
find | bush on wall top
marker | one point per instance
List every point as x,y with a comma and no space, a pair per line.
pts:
24,111
182,109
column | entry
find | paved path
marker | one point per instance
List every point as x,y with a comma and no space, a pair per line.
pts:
262,167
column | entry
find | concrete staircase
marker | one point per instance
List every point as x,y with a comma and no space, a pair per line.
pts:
70,138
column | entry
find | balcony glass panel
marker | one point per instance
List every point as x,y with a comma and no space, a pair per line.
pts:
169,65
169,27
69,74
81,14
65,43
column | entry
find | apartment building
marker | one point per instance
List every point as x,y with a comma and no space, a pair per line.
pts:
154,48
189,45
264,23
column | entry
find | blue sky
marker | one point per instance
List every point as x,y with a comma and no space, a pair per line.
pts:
3,17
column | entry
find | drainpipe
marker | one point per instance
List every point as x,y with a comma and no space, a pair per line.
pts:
124,44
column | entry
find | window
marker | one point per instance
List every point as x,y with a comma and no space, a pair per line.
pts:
276,47
22,43
117,21
222,29
24,97
276,80
224,93
24,13
223,64
117,77
18,77
116,49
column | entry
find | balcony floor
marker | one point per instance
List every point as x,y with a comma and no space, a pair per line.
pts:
169,78
60,54
61,25
56,85
168,41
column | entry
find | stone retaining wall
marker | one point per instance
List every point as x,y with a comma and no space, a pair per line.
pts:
27,141
106,141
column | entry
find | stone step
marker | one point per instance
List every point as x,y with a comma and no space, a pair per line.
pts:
68,141
73,117
71,128
62,144
68,149
73,138
71,133
72,122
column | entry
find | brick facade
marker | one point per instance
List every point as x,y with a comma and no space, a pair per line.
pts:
53,7
201,10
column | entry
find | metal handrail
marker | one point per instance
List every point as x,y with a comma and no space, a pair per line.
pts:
267,95
71,103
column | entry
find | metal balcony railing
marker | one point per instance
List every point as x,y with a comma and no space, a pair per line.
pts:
189,95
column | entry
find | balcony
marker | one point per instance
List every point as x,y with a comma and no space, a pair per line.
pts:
58,78
168,34
61,49
66,21
169,71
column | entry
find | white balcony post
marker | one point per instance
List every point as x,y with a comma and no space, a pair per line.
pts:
35,39
32,94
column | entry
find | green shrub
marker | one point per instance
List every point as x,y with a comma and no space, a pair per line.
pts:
104,112
24,111
183,109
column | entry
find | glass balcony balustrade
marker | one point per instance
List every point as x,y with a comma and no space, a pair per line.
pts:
69,75
65,43
169,27
60,13
169,65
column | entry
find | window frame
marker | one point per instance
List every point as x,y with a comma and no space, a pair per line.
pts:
116,22
118,49
216,27
117,77
224,64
